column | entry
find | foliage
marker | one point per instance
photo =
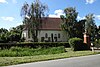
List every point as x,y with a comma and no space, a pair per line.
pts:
4,61
69,20
3,35
90,26
14,34
97,35
74,28
77,44
34,44
79,29
3,30
32,17
19,51
97,43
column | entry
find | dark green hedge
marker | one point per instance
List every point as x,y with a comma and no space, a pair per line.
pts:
77,44
34,44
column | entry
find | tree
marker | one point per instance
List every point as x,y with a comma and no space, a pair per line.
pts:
79,28
15,33
90,26
3,37
32,16
97,35
3,30
69,20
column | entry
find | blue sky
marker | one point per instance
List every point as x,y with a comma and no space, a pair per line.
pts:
10,10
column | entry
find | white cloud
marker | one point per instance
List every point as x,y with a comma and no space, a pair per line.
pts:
97,17
8,18
54,16
3,1
19,23
14,1
90,1
80,18
57,13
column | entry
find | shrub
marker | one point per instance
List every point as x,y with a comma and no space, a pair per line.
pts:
77,44
34,44
97,43
20,51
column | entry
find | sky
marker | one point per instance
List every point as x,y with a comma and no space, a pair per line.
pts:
10,10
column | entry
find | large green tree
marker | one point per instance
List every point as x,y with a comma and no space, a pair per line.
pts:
90,26
32,16
69,20
79,28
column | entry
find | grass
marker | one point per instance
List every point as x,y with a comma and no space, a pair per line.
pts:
26,51
26,59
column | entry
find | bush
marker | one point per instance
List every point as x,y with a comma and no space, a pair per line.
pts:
20,51
77,44
97,43
34,44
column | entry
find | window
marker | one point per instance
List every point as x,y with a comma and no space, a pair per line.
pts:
23,35
51,37
42,39
55,35
58,35
46,35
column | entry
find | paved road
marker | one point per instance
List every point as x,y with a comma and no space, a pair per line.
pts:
86,61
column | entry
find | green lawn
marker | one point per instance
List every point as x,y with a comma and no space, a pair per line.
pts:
26,59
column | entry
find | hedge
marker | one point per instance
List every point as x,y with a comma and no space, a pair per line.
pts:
34,44
77,44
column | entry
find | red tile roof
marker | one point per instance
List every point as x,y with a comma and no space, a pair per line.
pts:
51,24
